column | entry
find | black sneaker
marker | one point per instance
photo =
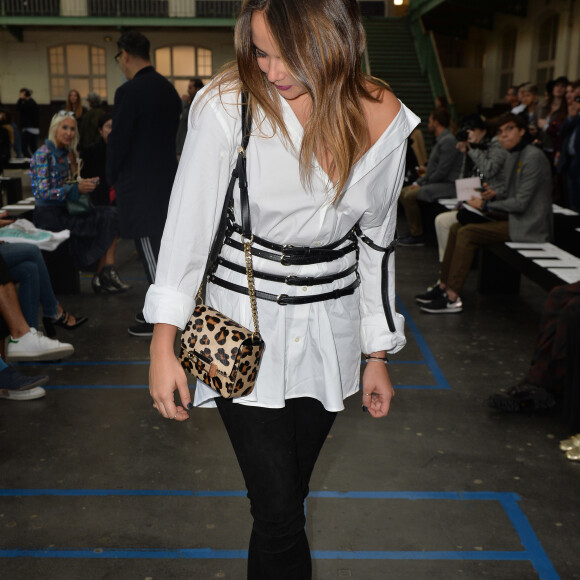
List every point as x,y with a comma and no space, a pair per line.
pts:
140,318
411,241
432,292
522,397
143,329
442,305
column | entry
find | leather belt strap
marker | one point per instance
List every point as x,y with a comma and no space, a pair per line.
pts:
290,280
298,256
284,299
289,248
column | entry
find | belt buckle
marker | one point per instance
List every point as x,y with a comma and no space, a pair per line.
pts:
281,297
291,280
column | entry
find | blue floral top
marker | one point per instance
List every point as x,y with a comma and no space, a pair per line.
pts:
49,170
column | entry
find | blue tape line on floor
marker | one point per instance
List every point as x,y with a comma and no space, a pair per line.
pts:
422,344
208,553
533,553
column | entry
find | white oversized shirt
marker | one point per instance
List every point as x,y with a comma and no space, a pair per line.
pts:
312,350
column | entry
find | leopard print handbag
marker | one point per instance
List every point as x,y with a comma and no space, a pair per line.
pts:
220,352
214,348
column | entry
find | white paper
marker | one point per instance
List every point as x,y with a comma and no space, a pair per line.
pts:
466,188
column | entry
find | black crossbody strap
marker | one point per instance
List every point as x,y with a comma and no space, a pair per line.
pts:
387,251
238,172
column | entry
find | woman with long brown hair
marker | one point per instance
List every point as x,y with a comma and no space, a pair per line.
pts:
325,162
74,103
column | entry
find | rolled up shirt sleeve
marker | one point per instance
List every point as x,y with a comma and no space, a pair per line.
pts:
195,208
380,227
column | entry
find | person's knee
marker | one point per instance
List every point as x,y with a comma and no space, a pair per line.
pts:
280,520
26,272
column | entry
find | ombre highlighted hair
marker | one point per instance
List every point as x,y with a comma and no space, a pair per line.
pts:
321,43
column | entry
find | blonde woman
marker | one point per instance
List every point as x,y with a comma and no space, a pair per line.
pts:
326,157
55,180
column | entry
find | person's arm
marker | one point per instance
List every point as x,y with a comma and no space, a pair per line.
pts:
194,211
45,180
119,142
448,155
489,161
381,327
530,173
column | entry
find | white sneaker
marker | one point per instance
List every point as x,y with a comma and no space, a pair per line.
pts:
35,346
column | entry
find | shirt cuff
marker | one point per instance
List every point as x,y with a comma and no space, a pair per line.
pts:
375,337
168,306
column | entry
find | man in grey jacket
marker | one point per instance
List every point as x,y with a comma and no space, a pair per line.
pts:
438,182
525,203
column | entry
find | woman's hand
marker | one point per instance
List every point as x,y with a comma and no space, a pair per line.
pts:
88,185
377,389
462,147
167,376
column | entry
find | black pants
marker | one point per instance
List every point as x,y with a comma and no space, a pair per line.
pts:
148,250
277,450
29,143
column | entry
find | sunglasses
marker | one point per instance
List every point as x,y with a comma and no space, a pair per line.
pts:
64,113
118,56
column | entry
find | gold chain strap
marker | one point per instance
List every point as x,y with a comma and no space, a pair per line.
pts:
251,287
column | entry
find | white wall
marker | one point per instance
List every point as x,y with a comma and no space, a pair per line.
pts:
567,60
25,64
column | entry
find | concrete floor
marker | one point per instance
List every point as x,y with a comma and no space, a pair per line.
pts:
95,485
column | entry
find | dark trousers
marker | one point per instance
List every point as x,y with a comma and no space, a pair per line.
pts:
29,143
148,250
548,368
277,450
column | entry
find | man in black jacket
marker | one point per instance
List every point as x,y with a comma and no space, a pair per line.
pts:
141,154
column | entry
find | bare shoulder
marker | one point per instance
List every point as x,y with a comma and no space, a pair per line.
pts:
380,113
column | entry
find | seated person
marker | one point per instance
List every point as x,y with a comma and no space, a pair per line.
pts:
544,379
27,267
95,162
483,157
553,372
438,182
93,236
26,343
526,199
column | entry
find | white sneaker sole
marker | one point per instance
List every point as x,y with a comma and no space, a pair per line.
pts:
24,395
441,310
45,355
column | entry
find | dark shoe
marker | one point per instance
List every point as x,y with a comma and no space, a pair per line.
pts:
140,318
411,241
108,282
144,329
433,292
442,305
19,387
113,276
61,321
523,397
110,279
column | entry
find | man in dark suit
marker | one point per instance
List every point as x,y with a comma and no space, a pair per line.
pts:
141,154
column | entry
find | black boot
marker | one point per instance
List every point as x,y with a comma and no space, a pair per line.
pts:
108,282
